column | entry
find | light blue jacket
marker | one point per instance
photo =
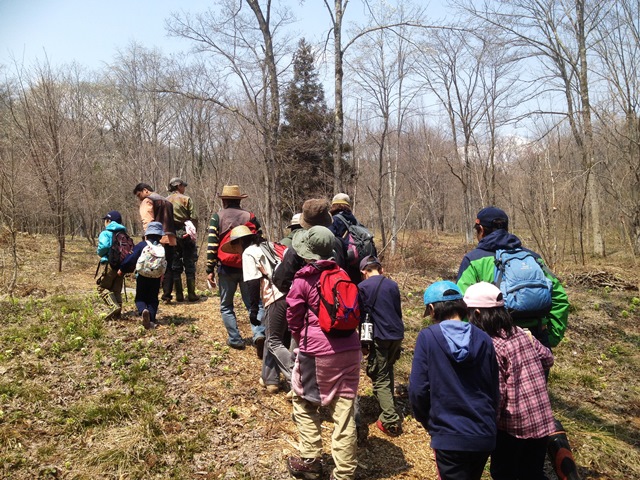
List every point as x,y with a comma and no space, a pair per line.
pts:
106,238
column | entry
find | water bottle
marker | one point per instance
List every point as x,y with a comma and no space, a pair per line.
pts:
366,331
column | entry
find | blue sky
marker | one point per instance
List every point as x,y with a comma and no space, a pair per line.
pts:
90,32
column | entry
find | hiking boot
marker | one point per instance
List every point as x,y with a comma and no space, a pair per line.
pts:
393,430
259,344
237,346
271,388
192,296
177,288
307,468
112,302
146,319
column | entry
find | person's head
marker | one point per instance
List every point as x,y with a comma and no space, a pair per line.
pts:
154,231
315,211
294,224
340,203
443,301
370,266
240,238
112,216
314,244
490,219
177,184
485,309
142,191
231,196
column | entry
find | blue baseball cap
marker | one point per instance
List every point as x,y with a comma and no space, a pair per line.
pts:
442,291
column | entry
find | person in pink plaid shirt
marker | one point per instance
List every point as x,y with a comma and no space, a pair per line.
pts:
525,419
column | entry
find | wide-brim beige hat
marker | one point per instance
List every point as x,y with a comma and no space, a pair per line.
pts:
232,192
234,245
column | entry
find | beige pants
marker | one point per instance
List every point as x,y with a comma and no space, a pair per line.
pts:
343,440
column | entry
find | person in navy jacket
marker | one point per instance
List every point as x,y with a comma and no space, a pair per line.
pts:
454,388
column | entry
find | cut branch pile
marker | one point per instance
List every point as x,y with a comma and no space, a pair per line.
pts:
600,280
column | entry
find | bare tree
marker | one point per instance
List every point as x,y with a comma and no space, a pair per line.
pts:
557,34
240,37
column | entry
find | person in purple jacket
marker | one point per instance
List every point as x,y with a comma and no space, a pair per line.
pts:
454,388
326,370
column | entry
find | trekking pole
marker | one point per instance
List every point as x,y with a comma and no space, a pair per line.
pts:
124,285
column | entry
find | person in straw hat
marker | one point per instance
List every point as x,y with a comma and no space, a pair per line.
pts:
229,265
257,271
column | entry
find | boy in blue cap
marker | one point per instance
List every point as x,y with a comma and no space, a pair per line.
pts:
459,361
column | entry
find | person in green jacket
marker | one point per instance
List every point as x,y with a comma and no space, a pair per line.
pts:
492,231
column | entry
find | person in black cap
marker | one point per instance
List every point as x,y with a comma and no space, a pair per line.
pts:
380,301
492,231
109,282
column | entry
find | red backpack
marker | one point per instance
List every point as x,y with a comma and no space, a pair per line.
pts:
233,259
339,311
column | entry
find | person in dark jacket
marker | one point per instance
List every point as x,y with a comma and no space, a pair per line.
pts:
147,289
342,217
379,299
458,360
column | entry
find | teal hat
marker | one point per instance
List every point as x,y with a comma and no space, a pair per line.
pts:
442,291
314,244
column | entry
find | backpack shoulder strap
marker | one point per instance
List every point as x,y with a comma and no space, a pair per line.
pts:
375,293
344,221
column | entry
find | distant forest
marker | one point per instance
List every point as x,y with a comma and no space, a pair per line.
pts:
528,105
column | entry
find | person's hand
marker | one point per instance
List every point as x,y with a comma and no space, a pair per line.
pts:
253,318
365,350
211,279
120,274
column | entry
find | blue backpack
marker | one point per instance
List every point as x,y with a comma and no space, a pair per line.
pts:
522,281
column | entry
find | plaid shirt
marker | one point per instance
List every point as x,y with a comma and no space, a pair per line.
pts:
525,409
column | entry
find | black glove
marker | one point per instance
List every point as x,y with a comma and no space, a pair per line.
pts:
253,318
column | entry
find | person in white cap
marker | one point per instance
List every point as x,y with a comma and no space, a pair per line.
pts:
293,226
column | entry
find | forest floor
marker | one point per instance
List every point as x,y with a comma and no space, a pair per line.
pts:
84,398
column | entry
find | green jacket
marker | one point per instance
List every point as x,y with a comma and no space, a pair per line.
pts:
478,266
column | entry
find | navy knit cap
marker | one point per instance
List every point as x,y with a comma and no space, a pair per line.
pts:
492,217
114,216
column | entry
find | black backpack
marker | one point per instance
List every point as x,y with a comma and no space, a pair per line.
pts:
359,241
121,246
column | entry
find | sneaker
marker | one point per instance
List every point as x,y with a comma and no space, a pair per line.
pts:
289,395
146,319
307,468
392,430
259,344
237,346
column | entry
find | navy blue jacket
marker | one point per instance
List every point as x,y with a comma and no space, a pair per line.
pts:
386,313
454,388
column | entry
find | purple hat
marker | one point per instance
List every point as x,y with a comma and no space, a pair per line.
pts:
114,216
492,217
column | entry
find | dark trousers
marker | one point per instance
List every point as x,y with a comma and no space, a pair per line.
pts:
185,258
167,278
518,458
456,465
147,290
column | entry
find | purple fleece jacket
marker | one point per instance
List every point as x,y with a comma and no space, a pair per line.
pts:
302,300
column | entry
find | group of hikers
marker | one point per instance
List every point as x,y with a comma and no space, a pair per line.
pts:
318,301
